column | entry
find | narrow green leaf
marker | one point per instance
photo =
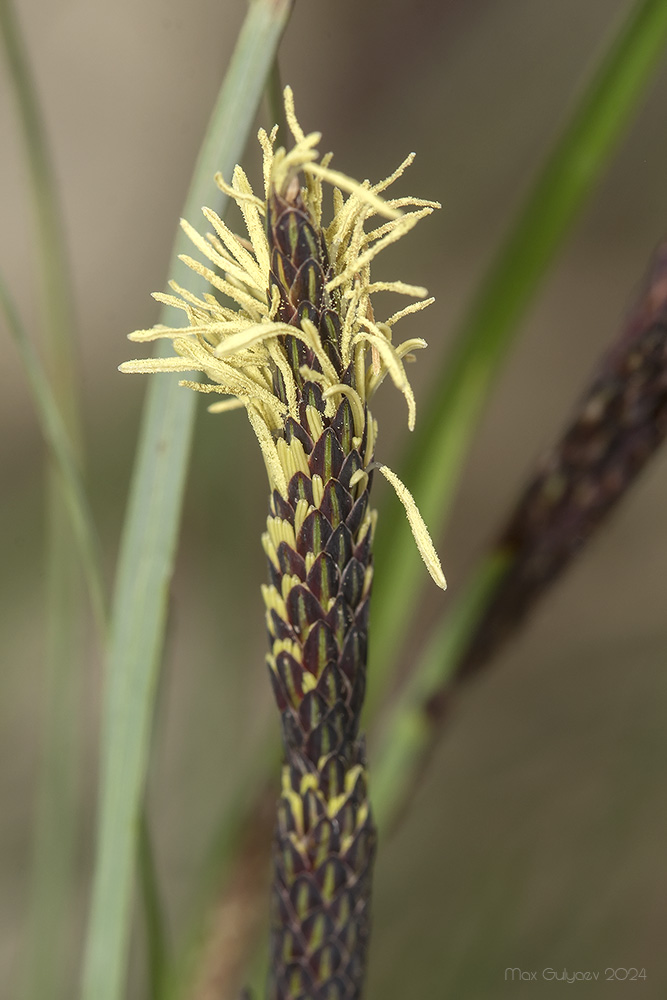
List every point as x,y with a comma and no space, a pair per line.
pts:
56,287
437,450
55,829
153,912
274,95
149,540
56,436
408,729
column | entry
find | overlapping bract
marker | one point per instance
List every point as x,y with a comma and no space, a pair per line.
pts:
318,543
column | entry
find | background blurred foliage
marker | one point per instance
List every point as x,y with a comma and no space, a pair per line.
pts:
537,837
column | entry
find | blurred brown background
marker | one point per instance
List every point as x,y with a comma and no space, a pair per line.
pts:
537,839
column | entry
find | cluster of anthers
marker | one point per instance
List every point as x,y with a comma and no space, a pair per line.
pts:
241,346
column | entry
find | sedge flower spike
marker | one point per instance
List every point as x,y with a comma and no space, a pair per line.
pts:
296,342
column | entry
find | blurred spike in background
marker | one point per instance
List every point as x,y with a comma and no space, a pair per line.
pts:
537,838
617,428
619,423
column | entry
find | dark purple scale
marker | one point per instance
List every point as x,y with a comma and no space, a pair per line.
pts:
320,893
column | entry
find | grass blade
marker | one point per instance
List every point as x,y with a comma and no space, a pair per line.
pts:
149,541
58,440
55,834
156,943
409,729
437,451
58,312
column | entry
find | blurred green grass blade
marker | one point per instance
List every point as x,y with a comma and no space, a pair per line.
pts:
56,822
56,436
55,833
156,942
274,98
437,451
407,731
149,539
58,312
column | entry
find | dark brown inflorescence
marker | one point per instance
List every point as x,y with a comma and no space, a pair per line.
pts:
320,566
296,343
621,420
